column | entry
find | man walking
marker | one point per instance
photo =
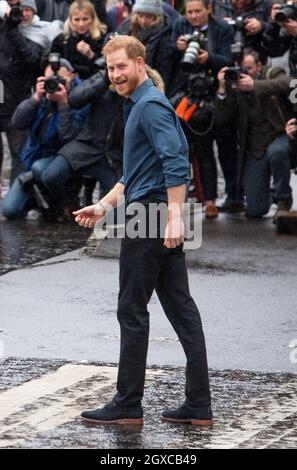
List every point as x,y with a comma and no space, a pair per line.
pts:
155,169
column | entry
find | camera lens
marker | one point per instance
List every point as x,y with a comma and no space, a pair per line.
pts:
51,85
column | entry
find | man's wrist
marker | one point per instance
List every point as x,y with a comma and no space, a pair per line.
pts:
100,207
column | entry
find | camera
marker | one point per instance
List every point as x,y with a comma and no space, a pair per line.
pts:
195,42
286,12
15,15
232,75
29,185
52,84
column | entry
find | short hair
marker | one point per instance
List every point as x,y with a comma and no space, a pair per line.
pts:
250,51
133,47
206,3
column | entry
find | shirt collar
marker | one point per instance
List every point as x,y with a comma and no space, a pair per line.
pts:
140,91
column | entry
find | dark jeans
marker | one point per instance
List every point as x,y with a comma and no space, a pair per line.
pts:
257,173
146,265
57,175
16,139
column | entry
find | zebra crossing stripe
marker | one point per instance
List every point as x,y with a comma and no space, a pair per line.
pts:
55,399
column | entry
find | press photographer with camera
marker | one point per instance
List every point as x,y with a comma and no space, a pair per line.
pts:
259,100
51,123
19,62
281,33
83,38
248,17
203,46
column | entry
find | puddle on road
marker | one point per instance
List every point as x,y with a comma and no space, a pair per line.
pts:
25,242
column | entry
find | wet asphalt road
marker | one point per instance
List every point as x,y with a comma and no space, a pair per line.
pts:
62,311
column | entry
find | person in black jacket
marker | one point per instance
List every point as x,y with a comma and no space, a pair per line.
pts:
215,52
255,15
19,62
150,25
82,40
281,37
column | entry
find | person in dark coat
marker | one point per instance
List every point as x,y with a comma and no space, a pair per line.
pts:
19,62
214,53
259,101
150,25
83,38
255,14
279,38
51,123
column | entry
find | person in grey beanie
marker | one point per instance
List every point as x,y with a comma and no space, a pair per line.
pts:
152,26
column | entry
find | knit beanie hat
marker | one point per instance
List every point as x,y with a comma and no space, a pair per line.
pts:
148,6
29,4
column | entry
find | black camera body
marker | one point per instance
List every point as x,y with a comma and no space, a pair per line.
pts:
52,84
232,74
286,12
29,185
195,42
14,18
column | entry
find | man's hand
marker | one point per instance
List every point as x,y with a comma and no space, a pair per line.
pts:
60,96
202,57
245,83
221,80
291,129
252,26
291,27
89,215
181,43
40,91
174,232
85,49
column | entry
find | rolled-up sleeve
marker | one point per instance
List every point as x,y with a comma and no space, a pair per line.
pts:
167,139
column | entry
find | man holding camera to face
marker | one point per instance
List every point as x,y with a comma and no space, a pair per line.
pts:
259,100
51,123
281,33
19,61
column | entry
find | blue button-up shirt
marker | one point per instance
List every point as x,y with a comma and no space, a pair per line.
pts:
156,154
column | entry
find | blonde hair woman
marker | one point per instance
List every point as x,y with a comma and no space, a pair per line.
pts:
83,38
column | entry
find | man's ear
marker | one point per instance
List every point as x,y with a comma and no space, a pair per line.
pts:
140,63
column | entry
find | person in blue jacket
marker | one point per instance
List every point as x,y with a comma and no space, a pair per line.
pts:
51,123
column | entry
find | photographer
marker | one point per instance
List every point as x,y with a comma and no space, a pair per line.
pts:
19,62
281,34
51,123
249,17
259,99
82,40
213,54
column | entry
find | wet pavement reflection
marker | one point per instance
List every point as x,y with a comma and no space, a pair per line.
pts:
28,241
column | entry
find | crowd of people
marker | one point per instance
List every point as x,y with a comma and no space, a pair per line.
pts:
212,58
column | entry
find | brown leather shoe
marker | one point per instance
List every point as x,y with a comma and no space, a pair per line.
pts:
211,211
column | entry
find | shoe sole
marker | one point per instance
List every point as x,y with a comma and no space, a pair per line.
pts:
115,421
196,422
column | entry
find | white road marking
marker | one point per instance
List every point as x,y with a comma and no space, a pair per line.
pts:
55,399
258,415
